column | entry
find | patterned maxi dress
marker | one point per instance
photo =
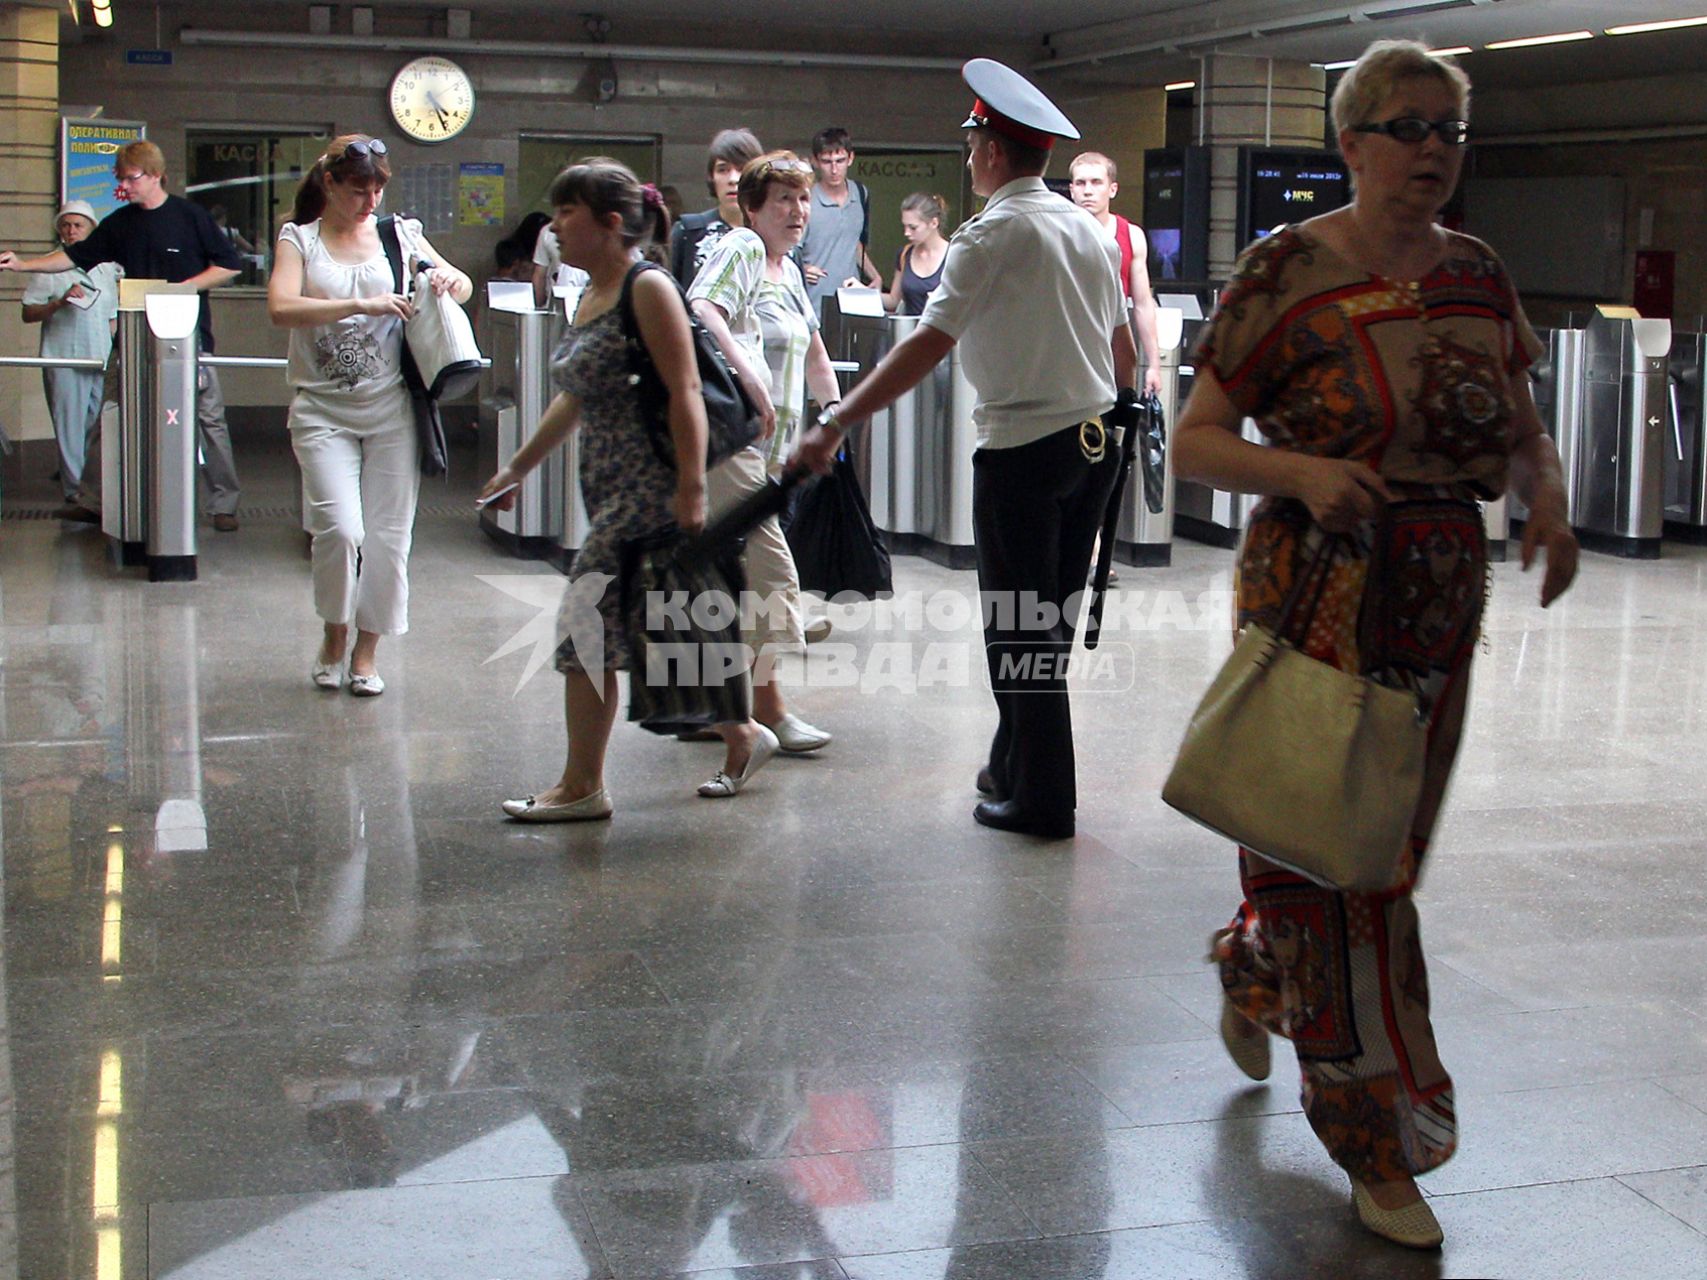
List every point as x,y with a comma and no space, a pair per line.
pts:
1414,377
627,488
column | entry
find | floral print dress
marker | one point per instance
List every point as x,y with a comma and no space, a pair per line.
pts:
627,487
1417,379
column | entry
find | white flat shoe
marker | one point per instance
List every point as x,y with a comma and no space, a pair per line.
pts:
587,809
722,785
1250,1053
1413,1226
327,675
369,686
796,737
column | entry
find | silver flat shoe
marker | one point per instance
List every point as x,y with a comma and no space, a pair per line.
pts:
327,675
369,686
796,737
591,808
1413,1226
723,785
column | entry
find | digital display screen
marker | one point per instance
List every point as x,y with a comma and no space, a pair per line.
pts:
1290,188
1164,213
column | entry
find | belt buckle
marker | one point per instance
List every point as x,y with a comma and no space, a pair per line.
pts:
1093,440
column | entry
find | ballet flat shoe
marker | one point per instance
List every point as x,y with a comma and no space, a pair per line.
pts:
796,737
587,809
722,785
1413,1226
327,675
368,686
1250,1053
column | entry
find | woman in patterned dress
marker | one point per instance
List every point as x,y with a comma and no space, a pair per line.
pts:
604,219
1383,358
351,426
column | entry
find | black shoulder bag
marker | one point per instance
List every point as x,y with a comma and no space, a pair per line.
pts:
429,427
732,421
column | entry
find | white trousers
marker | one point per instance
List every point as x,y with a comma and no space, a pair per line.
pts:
769,564
360,481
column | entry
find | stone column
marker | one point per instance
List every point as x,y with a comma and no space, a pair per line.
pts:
29,188
1251,101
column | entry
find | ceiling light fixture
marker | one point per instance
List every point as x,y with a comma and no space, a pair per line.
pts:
1180,86
1457,51
1337,66
103,11
1530,42
1640,28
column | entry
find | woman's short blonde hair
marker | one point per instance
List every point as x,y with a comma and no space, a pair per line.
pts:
1379,72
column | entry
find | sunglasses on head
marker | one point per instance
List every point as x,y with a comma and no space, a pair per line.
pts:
768,167
1413,129
362,150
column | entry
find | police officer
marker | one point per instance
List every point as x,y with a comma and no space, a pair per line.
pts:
1031,293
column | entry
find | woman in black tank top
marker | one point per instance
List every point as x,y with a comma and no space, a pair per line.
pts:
919,267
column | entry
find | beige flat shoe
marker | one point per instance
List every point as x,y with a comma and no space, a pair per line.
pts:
1413,1226
1250,1053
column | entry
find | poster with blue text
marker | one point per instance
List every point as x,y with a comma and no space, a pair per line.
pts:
86,151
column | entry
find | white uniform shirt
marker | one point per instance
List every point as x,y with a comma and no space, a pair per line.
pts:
1031,292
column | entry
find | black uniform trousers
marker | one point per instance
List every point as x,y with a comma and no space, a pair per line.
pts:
1036,511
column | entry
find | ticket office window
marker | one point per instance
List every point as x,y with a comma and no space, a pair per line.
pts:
892,174
543,157
247,179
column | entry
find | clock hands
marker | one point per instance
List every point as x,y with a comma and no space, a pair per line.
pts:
433,102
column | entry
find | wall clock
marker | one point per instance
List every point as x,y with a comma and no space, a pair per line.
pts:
432,99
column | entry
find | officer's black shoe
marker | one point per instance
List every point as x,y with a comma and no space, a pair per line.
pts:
1005,815
986,783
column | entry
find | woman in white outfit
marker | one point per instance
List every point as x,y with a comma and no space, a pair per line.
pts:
351,424
750,297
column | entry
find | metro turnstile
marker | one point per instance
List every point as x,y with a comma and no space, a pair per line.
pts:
1685,446
170,518
1144,537
1619,464
518,390
915,457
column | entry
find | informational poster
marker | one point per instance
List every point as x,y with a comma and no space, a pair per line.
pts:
427,192
86,151
480,195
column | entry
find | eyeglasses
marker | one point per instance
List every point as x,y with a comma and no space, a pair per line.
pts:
362,150
130,177
1414,129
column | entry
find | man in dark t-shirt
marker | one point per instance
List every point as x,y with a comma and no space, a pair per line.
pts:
695,235
158,236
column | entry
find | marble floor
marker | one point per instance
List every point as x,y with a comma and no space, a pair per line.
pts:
282,996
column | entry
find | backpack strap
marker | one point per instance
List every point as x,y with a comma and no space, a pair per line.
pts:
865,212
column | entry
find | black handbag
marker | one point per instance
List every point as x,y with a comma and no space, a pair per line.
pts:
429,426
836,545
731,419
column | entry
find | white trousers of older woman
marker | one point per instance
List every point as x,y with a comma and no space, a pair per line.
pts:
361,476
774,582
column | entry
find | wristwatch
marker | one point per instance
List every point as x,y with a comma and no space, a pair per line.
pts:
827,415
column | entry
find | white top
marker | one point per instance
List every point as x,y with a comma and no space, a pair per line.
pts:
73,332
773,320
1031,292
546,251
360,356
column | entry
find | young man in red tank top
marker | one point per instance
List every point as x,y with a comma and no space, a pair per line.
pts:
1094,185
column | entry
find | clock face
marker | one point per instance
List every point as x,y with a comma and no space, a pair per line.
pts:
432,99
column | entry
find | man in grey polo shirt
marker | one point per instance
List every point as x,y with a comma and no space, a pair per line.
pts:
833,251
1031,293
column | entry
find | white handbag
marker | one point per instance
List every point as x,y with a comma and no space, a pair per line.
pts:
441,339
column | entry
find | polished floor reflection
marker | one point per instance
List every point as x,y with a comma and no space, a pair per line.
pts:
282,996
